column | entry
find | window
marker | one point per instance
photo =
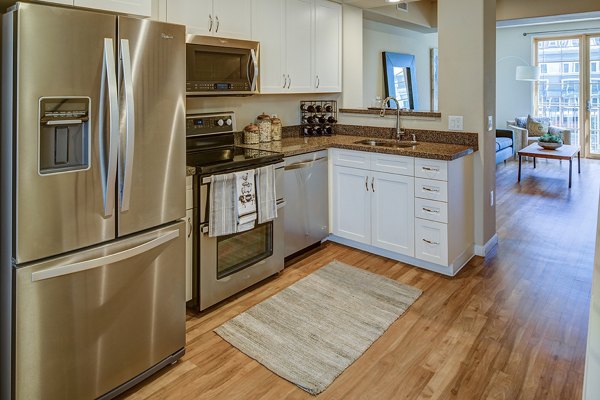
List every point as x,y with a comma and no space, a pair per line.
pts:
544,68
566,68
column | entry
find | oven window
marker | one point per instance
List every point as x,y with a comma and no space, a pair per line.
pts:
241,250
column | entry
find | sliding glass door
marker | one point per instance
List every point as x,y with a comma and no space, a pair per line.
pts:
568,91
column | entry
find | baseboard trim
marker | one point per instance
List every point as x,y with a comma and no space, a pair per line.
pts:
482,251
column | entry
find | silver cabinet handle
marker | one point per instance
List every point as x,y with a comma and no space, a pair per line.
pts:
102,261
210,22
318,81
430,169
289,81
255,75
284,81
218,23
303,164
428,189
109,171
127,170
367,183
190,226
430,242
373,184
430,210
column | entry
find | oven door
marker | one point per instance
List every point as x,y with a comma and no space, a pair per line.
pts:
215,70
232,263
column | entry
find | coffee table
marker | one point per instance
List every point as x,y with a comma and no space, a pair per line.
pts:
565,152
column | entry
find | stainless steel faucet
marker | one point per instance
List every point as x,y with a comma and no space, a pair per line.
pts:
399,130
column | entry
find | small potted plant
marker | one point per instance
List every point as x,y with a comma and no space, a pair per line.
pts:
550,141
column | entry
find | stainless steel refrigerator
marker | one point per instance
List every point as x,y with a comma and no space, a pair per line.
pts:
93,155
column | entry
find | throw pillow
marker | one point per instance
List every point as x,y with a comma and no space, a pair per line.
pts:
537,126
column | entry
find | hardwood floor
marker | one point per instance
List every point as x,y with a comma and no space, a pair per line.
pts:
510,326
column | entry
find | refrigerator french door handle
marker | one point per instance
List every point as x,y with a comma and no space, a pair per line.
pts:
109,172
68,269
255,75
130,126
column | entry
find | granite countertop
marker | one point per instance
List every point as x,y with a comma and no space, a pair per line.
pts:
298,145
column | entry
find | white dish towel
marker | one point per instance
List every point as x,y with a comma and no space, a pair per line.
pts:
267,196
246,200
222,217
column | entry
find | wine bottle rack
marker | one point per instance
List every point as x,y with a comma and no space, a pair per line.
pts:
318,117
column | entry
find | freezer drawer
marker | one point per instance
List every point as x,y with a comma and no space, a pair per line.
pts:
306,219
91,321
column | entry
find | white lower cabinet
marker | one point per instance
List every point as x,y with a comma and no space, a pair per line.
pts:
392,212
351,197
416,210
372,207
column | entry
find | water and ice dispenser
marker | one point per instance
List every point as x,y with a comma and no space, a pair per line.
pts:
64,134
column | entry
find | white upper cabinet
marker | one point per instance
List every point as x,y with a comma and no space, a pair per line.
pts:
134,7
196,15
299,39
233,18
268,29
224,18
328,49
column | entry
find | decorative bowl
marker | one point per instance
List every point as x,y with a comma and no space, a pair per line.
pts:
549,145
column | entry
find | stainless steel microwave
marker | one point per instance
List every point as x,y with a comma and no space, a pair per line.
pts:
220,67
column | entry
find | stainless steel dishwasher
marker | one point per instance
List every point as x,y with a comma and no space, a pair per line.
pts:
306,219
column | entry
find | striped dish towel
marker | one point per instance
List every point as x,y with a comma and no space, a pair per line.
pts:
265,193
222,216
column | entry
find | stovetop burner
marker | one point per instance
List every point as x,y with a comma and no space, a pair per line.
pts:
221,160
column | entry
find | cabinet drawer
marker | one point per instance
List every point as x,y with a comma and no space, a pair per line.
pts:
430,189
394,164
431,241
431,169
353,159
431,210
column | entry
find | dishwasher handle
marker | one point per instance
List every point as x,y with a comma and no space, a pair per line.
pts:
304,164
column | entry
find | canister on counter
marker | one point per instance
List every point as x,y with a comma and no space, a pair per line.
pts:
275,128
264,126
251,134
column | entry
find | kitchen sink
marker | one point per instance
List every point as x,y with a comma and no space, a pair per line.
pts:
387,143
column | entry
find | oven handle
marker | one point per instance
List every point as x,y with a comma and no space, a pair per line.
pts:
204,226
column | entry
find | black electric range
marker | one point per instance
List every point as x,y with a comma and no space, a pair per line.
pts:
211,150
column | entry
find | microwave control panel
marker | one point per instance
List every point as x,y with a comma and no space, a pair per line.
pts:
208,124
217,87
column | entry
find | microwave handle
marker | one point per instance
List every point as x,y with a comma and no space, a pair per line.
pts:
255,74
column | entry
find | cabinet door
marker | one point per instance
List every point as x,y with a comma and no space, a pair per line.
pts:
299,39
268,29
233,18
392,215
189,251
196,15
328,46
352,204
431,241
134,7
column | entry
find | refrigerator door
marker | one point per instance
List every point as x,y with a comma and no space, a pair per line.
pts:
151,189
64,67
89,322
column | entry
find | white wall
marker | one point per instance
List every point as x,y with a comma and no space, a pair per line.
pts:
286,106
378,37
515,98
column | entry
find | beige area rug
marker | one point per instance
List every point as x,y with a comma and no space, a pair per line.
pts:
310,332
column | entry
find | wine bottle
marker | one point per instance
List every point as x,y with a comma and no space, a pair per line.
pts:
311,119
331,119
310,108
328,108
322,119
319,108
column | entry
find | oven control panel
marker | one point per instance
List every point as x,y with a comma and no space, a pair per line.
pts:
209,124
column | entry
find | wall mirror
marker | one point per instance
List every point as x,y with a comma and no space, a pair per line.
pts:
400,81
